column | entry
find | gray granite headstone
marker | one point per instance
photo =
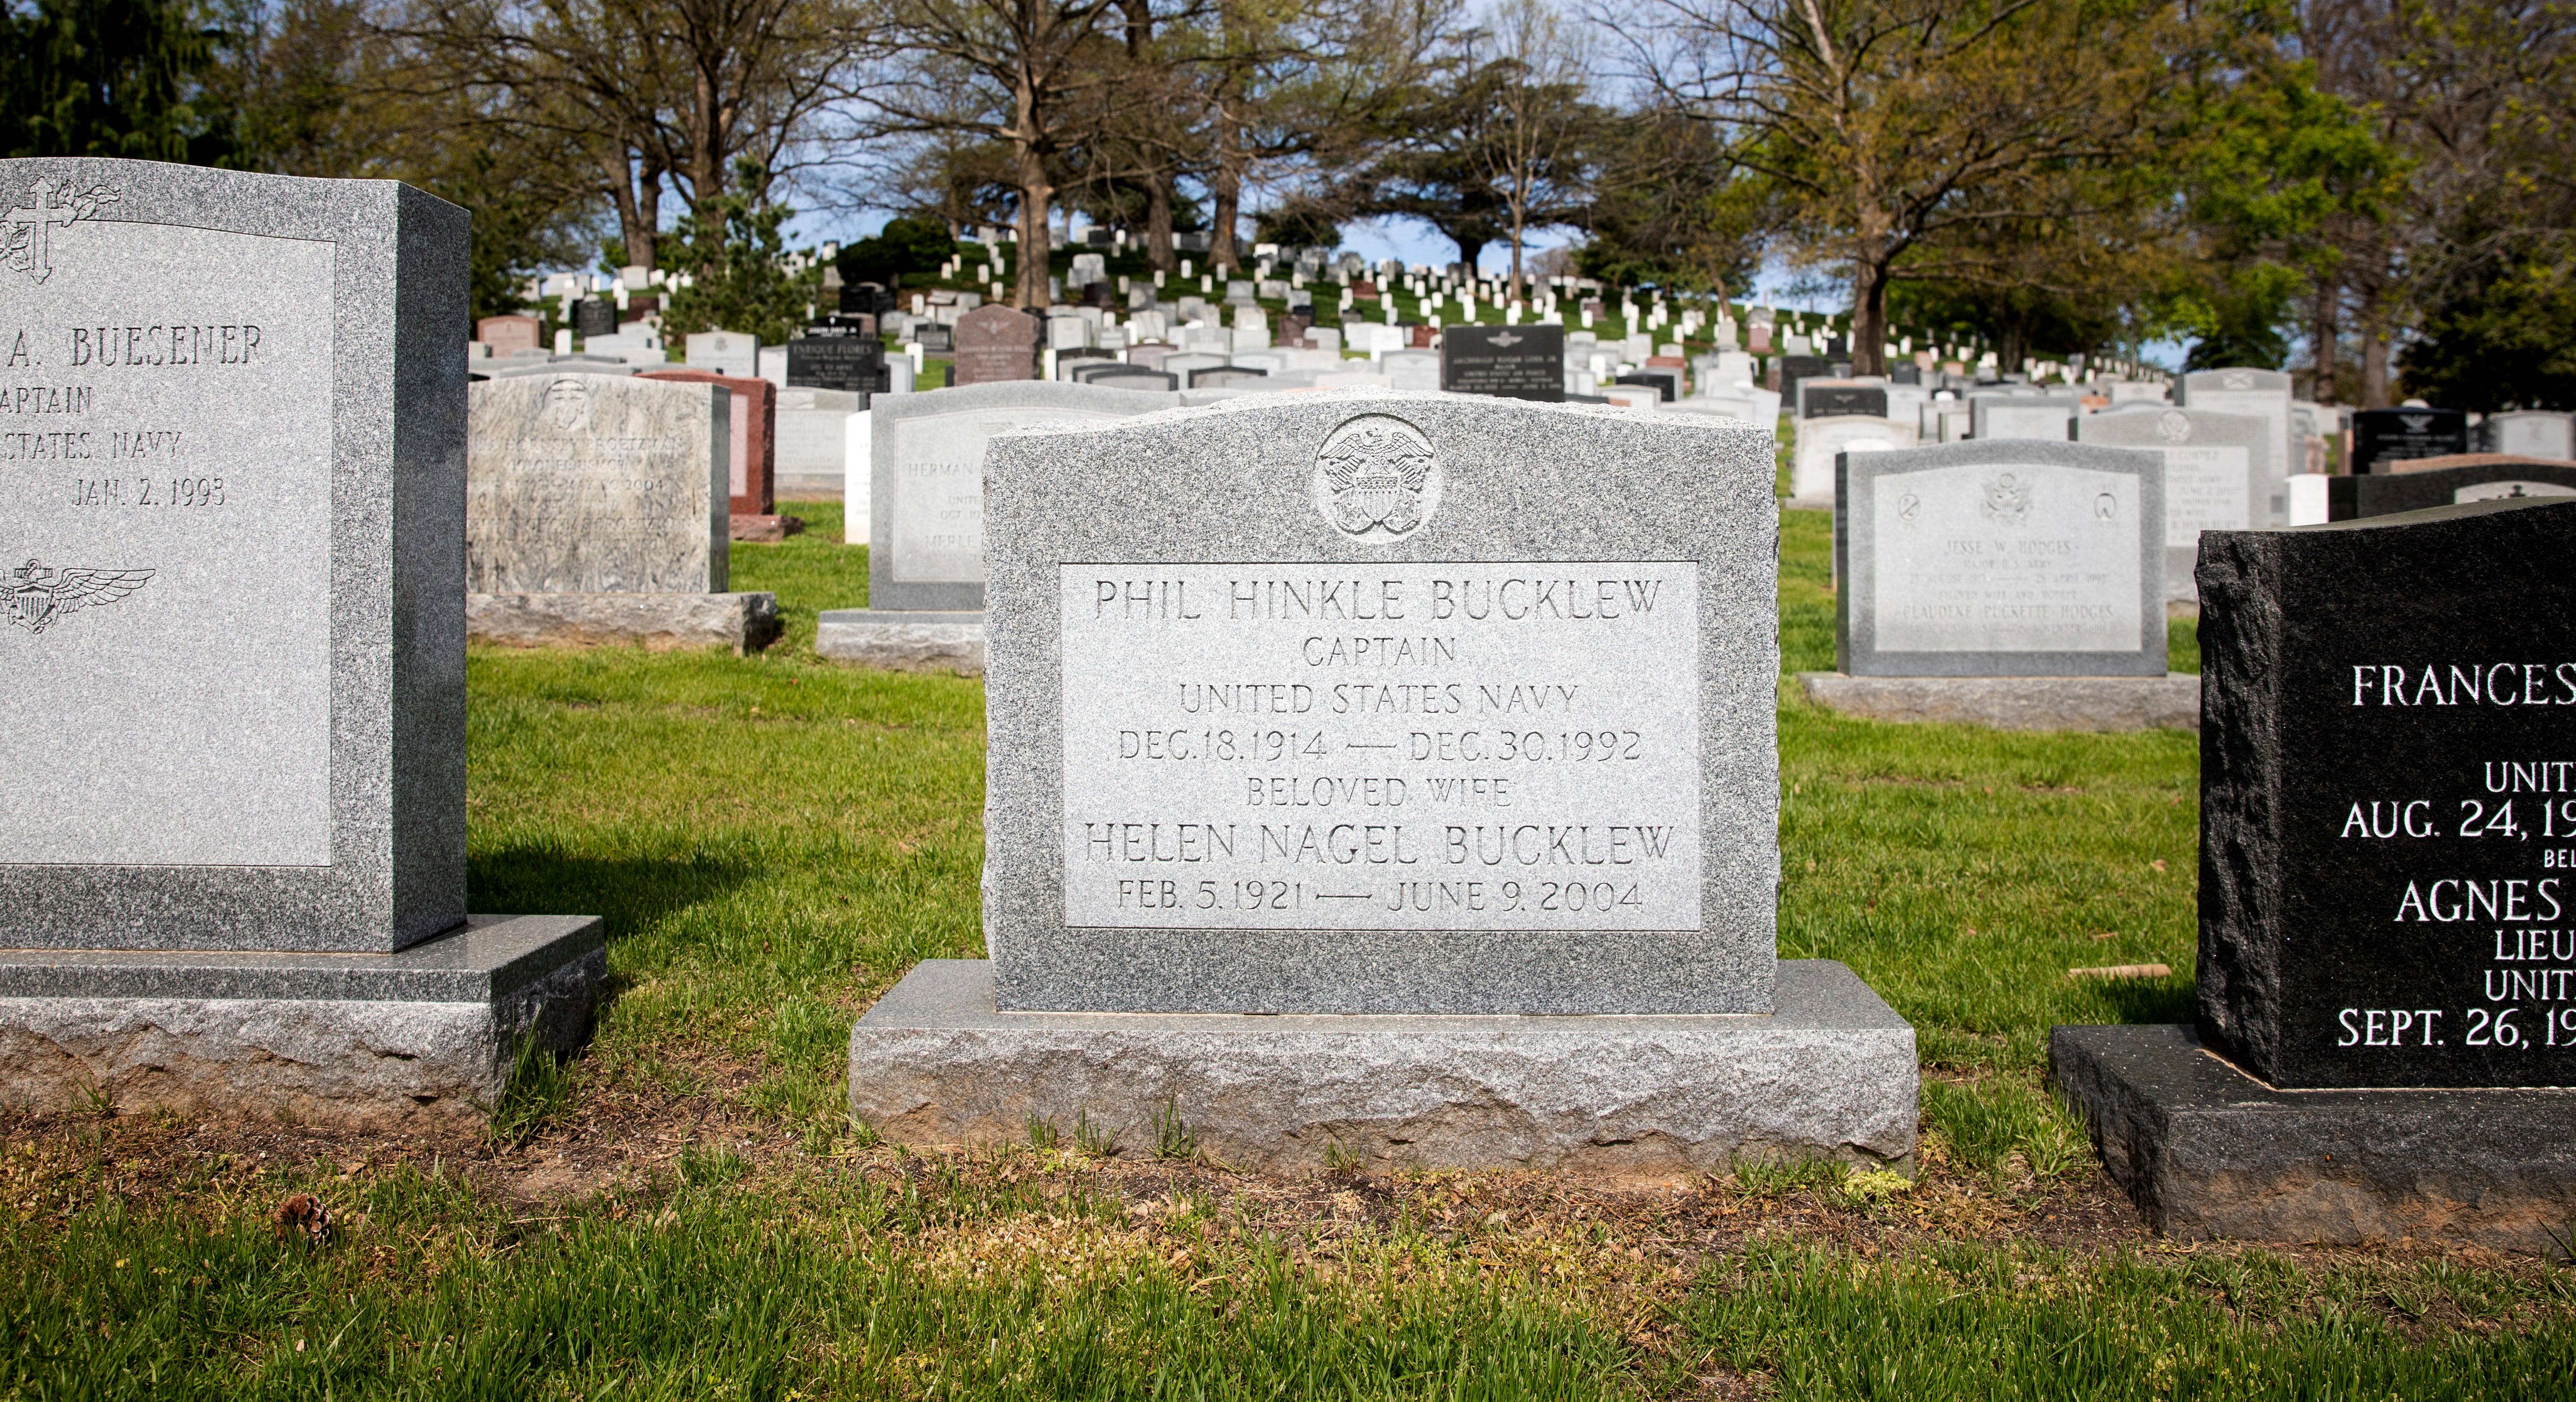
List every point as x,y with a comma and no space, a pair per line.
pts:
726,353
2001,558
2262,394
1377,702
588,484
2215,468
2048,418
236,677
927,461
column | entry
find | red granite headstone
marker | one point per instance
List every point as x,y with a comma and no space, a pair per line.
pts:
755,436
505,334
995,343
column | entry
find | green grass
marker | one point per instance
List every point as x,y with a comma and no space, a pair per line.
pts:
2030,1323
702,1288
773,840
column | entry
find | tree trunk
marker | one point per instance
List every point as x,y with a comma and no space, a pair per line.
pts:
1227,189
1030,293
2374,357
624,194
1869,309
2323,322
648,207
1158,222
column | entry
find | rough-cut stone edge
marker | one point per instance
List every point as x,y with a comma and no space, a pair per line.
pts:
745,622
2169,702
903,641
352,1063
1831,1074
2207,1151
2242,638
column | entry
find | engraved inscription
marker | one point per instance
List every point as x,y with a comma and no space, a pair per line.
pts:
1418,746
591,484
2018,558
166,453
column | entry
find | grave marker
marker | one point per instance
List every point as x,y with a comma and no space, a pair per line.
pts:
1264,537
2382,438
995,344
1512,362
234,866
2214,465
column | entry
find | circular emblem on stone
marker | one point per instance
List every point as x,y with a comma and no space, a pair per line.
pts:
2173,426
568,404
1376,478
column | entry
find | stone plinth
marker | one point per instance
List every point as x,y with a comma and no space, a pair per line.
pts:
901,641
2208,1151
2171,701
658,622
1831,1073
356,1041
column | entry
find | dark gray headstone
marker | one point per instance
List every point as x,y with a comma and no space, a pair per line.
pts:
2388,799
2387,493
851,363
1794,368
1227,376
1833,401
2384,436
594,316
1512,362
936,339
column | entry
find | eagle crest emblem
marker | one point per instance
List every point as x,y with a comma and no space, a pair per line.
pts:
2174,426
2007,500
39,597
1377,474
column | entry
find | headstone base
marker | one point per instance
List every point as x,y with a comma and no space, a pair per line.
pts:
2208,1151
2169,702
901,641
357,1041
1831,1074
660,622
764,529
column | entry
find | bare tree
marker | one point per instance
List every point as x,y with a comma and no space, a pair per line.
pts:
1534,152
1885,125
656,93
1015,72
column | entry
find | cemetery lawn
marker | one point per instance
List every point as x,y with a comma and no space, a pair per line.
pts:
685,1210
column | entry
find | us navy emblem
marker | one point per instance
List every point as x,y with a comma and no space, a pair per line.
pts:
41,597
1376,478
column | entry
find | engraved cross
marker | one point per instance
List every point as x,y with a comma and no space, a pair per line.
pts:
40,218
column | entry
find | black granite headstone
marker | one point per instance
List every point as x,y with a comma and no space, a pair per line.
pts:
2388,799
594,316
1509,362
1225,376
1905,374
1794,368
1843,401
1661,384
936,339
2393,435
851,363
866,299
2386,493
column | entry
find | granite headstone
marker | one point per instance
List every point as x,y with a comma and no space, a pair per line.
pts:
751,478
1513,362
2382,437
591,484
2003,558
995,344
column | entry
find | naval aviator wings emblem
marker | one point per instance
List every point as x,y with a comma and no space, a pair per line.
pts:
38,598
1376,478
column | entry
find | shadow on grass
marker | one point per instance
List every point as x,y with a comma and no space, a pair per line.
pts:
630,893
2152,1000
